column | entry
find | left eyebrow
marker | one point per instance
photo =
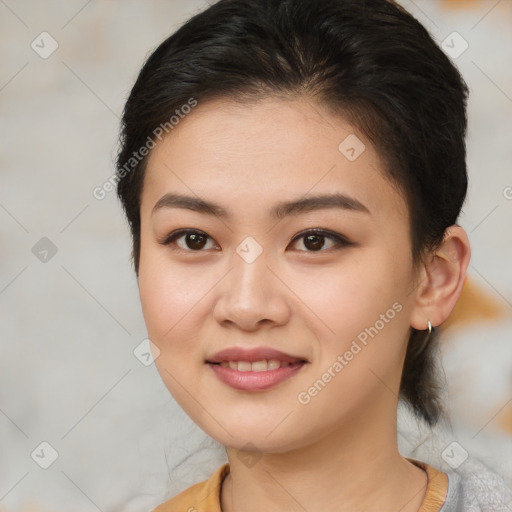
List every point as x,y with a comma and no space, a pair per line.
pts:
319,202
281,210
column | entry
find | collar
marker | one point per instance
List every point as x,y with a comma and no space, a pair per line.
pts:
205,496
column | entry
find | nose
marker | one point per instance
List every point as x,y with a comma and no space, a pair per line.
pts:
252,295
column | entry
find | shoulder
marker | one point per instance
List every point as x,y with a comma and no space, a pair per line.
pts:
473,487
201,497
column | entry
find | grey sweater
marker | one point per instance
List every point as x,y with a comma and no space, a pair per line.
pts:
475,488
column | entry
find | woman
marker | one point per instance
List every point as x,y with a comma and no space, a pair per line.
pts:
292,172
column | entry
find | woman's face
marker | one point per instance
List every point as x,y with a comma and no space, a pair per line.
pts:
250,274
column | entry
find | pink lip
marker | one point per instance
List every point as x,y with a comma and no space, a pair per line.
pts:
251,355
254,381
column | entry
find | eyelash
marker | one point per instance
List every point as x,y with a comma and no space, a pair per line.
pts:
340,240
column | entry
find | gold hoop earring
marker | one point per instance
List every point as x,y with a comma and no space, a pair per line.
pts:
429,327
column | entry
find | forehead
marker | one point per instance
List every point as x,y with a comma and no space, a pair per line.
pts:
260,153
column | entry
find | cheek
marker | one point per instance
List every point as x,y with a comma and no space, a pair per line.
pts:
362,324
163,294
167,295
171,305
363,304
351,296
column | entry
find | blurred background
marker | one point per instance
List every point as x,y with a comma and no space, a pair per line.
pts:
85,421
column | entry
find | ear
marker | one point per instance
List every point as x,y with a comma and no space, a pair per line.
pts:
440,279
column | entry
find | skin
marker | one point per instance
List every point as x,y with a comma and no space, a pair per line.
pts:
305,302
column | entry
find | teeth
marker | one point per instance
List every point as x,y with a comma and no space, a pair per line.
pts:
244,366
273,364
256,366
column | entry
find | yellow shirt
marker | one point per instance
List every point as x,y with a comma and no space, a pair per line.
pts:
205,496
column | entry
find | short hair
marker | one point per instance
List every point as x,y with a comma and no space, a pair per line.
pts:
370,62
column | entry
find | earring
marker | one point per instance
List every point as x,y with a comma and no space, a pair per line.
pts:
425,340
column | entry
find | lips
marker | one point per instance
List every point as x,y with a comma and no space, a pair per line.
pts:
252,355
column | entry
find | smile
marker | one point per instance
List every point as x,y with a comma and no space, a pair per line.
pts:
255,376
256,366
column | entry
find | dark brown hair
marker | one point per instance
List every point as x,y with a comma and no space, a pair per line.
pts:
369,61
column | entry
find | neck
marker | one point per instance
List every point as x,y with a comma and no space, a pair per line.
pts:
354,468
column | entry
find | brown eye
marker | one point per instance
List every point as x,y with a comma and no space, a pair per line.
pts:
314,242
189,240
195,241
320,240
